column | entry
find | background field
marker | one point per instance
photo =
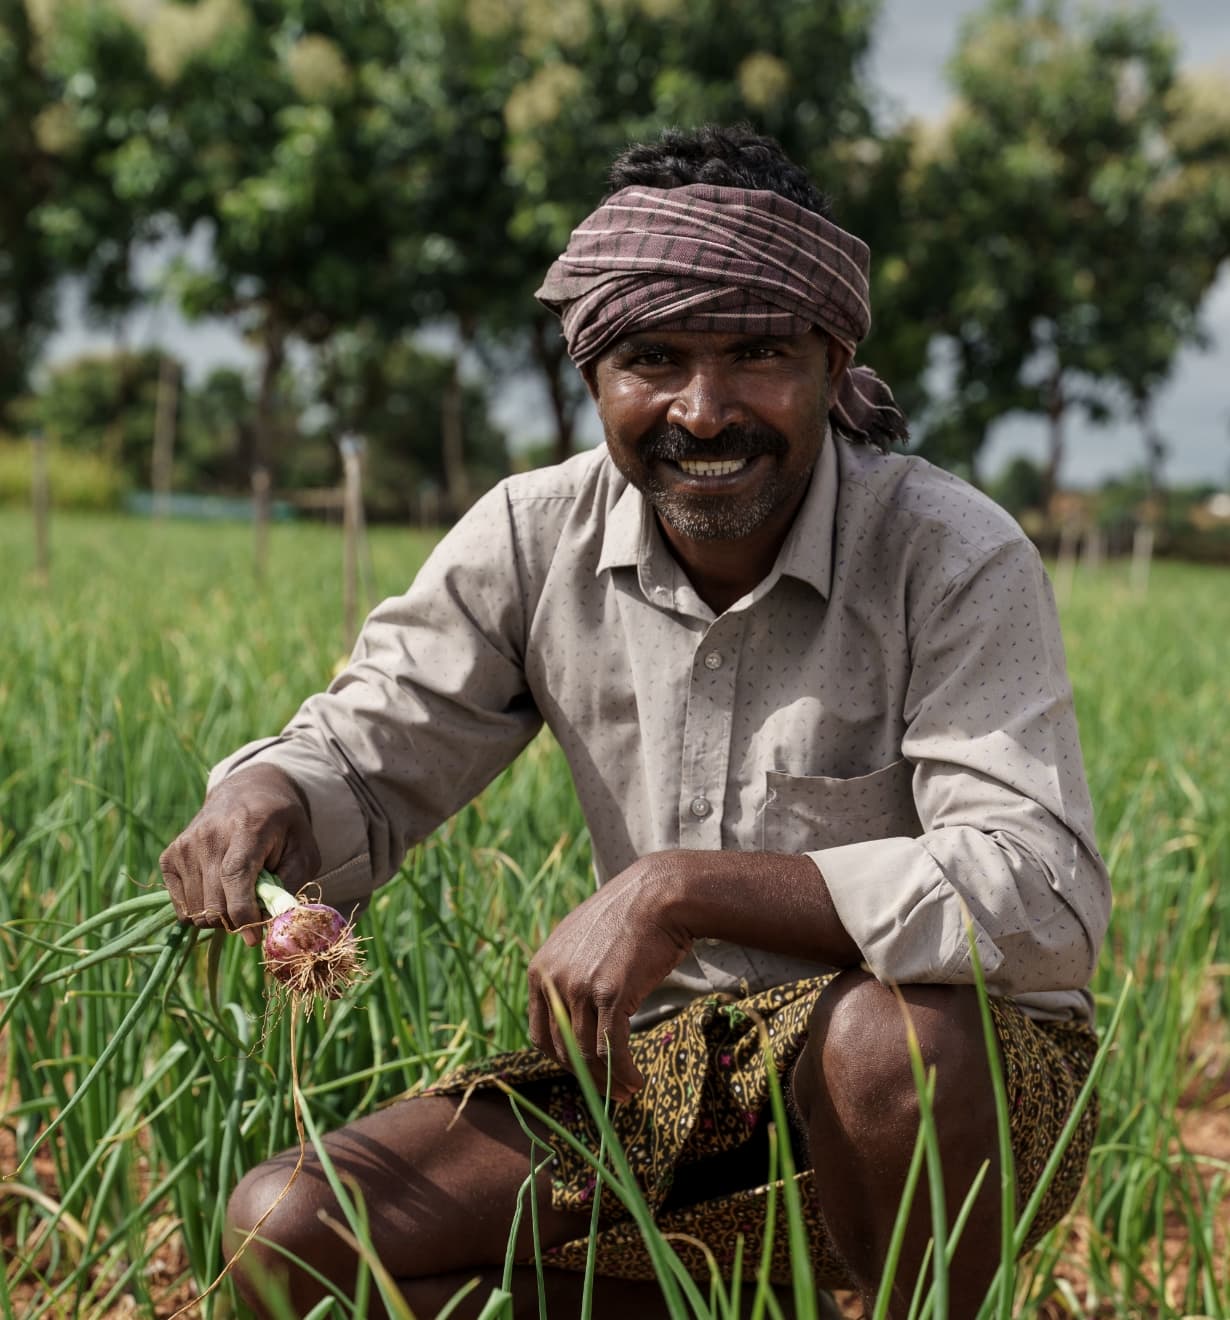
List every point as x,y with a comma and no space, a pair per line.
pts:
152,653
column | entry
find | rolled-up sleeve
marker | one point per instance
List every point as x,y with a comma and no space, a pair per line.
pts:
432,705
999,787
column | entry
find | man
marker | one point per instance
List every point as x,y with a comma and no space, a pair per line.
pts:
814,703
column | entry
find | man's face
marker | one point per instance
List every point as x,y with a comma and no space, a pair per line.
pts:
720,432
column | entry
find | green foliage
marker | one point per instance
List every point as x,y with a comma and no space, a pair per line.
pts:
1020,487
389,393
76,481
363,170
143,664
1065,225
104,405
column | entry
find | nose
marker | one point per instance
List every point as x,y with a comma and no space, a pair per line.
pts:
704,404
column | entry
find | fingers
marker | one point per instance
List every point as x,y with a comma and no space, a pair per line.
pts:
601,1033
255,820
241,867
614,1034
540,1017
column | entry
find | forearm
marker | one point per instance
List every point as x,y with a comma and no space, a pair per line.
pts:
778,902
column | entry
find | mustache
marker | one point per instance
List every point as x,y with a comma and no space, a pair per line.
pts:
672,443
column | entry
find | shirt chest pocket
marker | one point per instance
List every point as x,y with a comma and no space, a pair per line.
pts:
804,813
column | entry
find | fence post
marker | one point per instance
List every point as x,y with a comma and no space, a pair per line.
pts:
352,535
1094,550
1065,568
1142,557
40,504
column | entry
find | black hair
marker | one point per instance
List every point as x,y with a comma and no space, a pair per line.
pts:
733,156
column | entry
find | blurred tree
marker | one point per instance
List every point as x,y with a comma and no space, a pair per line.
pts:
388,392
58,212
1038,209
1021,487
293,138
104,404
215,448
27,273
396,165
1181,238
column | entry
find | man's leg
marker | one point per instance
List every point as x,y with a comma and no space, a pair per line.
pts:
854,1089
440,1188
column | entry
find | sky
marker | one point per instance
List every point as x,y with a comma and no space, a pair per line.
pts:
914,39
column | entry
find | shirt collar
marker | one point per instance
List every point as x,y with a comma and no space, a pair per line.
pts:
632,539
621,538
807,553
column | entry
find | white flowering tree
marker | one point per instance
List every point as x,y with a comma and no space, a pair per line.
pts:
1067,219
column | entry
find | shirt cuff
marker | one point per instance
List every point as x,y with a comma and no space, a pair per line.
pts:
338,826
905,916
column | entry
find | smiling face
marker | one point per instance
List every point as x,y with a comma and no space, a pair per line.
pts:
720,432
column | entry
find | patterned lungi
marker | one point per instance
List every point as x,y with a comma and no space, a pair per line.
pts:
706,1095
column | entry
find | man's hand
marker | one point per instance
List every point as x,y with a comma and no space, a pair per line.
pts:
254,820
602,960
609,953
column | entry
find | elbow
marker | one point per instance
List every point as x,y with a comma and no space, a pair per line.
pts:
1064,956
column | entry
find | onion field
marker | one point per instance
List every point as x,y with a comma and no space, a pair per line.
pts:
140,1073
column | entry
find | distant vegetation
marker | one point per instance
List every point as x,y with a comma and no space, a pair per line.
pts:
349,174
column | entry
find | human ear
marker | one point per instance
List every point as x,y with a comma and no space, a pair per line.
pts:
589,374
838,361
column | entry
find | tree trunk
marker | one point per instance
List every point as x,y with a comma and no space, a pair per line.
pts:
1155,457
550,353
452,427
263,444
452,443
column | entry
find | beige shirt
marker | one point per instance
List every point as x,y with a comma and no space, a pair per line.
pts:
891,700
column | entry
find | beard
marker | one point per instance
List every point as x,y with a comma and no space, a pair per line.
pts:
715,517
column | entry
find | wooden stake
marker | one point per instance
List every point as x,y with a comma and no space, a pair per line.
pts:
1065,569
352,534
40,501
1142,557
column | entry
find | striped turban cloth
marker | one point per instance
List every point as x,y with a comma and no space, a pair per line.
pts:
731,260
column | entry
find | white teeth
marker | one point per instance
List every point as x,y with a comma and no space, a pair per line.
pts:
707,467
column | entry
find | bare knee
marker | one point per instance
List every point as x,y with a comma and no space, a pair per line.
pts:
270,1220
855,1071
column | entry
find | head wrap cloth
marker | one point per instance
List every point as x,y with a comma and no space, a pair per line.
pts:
731,260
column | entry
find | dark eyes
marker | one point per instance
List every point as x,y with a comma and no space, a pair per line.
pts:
661,357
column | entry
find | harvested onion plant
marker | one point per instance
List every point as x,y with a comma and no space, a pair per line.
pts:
139,1078
311,950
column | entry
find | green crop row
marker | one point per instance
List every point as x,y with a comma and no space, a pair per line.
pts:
152,653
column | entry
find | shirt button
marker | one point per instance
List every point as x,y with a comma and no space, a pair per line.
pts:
713,660
700,807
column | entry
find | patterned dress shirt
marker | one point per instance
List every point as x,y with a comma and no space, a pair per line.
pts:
890,700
